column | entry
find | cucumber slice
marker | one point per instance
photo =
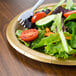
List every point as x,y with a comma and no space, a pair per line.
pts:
46,21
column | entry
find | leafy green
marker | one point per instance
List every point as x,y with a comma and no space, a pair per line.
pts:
18,33
25,43
66,34
73,41
72,51
70,17
69,4
70,25
40,36
72,28
73,36
73,8
53,38
57,25
54,25
56,50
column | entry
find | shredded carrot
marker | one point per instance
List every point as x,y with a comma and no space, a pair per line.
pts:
68,37
48,34
50,12
47,30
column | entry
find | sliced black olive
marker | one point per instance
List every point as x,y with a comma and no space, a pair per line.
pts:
60,9
47,11
29,19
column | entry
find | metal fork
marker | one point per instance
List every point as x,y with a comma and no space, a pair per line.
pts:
28,13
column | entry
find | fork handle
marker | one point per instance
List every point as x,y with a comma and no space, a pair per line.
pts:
37,4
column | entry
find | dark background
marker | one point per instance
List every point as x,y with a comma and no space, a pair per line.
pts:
13,63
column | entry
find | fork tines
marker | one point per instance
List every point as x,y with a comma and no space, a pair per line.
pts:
21,22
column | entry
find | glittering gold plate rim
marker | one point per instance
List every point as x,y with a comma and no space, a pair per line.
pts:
12,39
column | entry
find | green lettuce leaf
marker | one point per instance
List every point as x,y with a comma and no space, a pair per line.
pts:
57,26
40,36
56,50
71,24
73,8
53,38
18,33
25,43
70,17
73,36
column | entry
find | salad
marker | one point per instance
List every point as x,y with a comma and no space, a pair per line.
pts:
51,31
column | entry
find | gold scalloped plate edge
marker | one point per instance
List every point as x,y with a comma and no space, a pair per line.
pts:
12,39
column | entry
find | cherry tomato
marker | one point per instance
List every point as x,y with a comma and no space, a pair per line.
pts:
69,13
38,16
29,35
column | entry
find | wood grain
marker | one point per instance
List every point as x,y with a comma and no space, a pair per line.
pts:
13,63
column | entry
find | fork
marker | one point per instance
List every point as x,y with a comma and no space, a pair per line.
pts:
28,13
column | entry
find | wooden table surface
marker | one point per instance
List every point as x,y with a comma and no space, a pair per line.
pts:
13,63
